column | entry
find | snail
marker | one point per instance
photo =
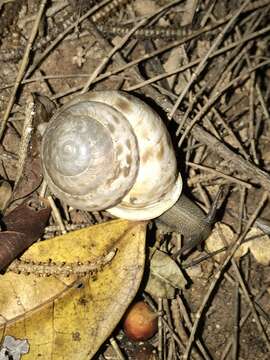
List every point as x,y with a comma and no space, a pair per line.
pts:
110,150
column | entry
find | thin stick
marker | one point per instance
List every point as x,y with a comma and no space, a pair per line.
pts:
205,59
57,215
117,349
230,131
263,104
235,323
177,320
218,275
241,209
251,119
25,139
160,330
237,54
219,173
197,96
49,13
23,67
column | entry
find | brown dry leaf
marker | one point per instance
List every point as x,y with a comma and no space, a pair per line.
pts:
24,225
215,240
5,194
259,244
189,11
145,7
66,317
165,276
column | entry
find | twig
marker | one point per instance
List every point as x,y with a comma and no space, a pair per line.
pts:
176,338
23,67
107,58
57,215
160,330
50,12
241,209
251,119
117,349
263,104
237,54
230,132
68,227
197,96
219,173
235,322
25,139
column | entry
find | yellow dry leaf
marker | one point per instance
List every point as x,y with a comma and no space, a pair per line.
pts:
70,317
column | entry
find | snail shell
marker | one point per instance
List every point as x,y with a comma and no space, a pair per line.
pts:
110,150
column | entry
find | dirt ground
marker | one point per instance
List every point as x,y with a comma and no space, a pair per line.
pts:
223,79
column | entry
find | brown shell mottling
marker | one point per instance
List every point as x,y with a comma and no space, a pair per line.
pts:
140,180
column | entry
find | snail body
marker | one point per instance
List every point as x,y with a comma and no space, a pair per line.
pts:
109,150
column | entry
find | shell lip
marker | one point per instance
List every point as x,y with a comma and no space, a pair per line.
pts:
151,211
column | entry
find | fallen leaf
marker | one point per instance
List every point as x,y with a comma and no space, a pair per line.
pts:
188,12
176,57
5,194
24,225
259,244
44,109
30,180
165,276
70,317
145,7
215,241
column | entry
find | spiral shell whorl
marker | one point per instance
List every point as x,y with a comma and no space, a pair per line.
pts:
84,162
